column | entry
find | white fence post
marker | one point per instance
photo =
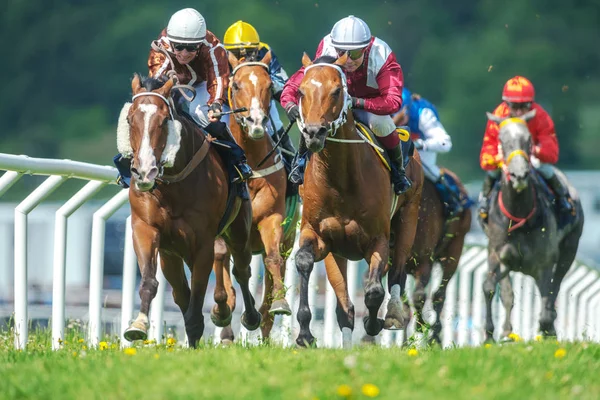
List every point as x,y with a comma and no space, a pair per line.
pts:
21,211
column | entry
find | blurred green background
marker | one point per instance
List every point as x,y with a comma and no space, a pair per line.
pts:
67,65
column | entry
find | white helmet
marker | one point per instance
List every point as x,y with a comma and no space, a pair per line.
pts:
350,33
186,26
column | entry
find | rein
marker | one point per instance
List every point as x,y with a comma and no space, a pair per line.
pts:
519,221
192,164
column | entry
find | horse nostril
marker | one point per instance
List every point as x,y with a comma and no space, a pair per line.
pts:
250,119
135,172
152,174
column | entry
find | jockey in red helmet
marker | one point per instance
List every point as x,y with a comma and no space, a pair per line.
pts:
518,98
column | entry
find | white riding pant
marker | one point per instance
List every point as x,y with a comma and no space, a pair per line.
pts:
381,125
198,108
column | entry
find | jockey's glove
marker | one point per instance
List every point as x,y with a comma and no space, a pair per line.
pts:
216,107
419,144
357,103
292,111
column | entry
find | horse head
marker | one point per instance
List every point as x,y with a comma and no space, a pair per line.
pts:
323,100
148,132
250,86
515,147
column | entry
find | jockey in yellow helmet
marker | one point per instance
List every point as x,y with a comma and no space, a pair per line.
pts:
243,41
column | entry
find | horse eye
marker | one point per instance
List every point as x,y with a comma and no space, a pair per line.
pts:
337,92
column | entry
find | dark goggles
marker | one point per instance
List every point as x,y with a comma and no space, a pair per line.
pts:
519,106
353,54
190,47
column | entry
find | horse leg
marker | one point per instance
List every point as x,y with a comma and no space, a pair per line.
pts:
220,314
227,336
271,233
489,290
145,243
336,268
173,270
267,317
507,296
449,263
549,285
405,229
193,318
422,278
305,260
374,293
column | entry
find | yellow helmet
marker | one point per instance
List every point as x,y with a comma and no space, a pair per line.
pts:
241,35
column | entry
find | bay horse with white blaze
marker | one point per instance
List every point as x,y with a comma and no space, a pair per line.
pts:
272,234
523,231
178,198
348,205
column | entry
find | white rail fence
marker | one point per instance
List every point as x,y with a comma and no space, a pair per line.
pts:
463,317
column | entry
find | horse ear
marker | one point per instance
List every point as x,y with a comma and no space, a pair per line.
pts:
267,58
494,118
136,85
529,114
342,60
306,61
233,61
165,90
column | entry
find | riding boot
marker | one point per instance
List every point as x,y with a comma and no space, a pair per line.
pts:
451,199
484,196
124,168
221,131
288,150
299,163
399,178
562,195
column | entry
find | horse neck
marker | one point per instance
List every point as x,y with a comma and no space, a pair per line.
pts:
336,157
255,150
518,204
191,141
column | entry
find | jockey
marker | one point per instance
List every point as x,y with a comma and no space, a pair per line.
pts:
518,96
374,80
430,137
243,41
199,60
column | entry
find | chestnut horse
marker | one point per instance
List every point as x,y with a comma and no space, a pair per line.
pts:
272,234
439,239
178,197
348,205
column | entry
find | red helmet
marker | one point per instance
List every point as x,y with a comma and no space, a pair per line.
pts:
518,90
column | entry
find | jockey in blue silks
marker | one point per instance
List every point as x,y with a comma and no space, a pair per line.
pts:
430,137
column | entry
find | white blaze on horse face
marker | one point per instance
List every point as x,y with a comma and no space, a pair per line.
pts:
316,83
257,114
253,78
146,153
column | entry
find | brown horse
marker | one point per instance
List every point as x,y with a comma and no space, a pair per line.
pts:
348,205
439,239
272,235
178,198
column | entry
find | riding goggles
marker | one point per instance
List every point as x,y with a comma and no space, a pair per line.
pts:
353,54
519,106
190,47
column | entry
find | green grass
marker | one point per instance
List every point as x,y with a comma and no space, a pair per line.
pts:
517,371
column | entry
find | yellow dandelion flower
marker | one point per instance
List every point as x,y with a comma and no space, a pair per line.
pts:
370,390
560,353
413,352
130,351
74,354
344,391
538,338
83,347
81,340
487,345
169,349
294,352
515,337
157,356
171,341
103,346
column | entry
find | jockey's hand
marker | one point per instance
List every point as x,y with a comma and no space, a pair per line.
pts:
215,107
357,103
537,150
419,144
292,111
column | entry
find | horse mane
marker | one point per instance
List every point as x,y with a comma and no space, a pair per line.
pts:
325,60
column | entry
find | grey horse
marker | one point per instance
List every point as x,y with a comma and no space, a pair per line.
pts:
523,229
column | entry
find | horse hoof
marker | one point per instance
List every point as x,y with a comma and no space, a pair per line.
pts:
393,324
215,317
374,296
226,342
135,332
305,342
373,330
248,324
280,307
368,340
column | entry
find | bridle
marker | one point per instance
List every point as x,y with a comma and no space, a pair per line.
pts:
240,119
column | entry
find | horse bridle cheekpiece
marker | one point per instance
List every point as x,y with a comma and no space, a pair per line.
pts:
341,119
518,152
241,120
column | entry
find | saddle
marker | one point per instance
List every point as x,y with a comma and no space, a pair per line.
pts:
408,148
